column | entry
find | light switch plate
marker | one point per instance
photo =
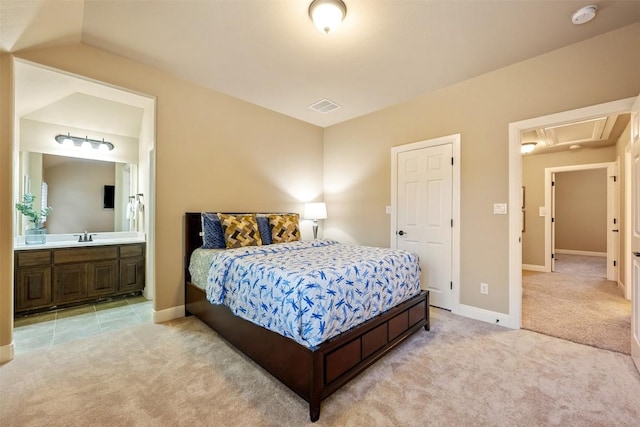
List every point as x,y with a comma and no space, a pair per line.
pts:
542,211
499,208
387,210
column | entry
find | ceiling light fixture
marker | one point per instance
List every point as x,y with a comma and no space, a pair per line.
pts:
76,141
327,14
584,14
528,147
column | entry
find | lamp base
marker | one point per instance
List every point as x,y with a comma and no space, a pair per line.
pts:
315,229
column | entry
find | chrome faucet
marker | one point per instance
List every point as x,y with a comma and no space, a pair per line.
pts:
85,237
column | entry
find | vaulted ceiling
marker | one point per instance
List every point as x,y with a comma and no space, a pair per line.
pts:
268,52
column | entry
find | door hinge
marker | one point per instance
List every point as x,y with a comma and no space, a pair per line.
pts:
553,219
452,161
451,285
615,263
451,222
553,256
615,178
615,220
553,183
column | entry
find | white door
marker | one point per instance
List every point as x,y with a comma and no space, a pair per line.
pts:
635,233
424,216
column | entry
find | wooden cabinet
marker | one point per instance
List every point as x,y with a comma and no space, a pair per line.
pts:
66,276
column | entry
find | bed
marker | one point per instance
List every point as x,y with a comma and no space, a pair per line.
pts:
312,366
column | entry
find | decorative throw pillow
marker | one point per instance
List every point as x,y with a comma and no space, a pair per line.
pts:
284,228
212,234
240,230
264,228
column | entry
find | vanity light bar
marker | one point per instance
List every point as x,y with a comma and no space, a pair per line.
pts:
77,141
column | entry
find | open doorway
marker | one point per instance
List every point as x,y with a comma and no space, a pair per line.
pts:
536,249
109,291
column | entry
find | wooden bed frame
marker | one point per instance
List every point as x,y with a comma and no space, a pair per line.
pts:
312,374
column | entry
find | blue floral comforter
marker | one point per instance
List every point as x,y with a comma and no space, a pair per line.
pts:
311,291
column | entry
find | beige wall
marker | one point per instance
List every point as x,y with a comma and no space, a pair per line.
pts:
78,202
581,210
214,152
6,206
533,170
357,153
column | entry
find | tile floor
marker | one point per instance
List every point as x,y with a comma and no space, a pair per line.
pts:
44,330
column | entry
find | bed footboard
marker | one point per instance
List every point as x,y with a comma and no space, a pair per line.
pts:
314,375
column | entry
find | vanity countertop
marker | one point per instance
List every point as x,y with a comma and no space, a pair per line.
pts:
69,241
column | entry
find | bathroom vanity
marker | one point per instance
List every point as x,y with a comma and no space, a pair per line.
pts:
51,276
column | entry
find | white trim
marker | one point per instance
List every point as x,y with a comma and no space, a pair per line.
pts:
167,314
455,142
483,315
7,352
533,267
583,253
627,224
515,185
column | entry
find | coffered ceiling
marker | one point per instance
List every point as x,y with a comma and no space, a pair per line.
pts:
268,52
593,133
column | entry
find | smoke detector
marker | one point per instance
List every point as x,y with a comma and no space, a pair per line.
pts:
584,14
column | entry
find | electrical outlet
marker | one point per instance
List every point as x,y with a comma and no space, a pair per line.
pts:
484,288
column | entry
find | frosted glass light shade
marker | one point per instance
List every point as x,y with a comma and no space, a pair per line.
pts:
327,14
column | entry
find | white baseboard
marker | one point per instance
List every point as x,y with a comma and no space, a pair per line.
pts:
483,315
7,352
585,253
168,314
533,267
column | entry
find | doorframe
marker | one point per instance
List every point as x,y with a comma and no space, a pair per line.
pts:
147,146
455,142
515,184
549,201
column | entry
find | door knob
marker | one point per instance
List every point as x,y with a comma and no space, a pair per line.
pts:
401,233
615,231
636,253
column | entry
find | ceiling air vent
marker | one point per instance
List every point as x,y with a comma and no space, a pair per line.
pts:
324,106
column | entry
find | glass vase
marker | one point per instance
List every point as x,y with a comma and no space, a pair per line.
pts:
35,236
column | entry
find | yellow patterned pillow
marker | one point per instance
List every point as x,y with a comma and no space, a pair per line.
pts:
240,230
284,228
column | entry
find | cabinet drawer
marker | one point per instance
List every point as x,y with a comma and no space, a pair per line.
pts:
100,253
129,251
32,258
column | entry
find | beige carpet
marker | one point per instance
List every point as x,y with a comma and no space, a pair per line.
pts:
577,304
463,372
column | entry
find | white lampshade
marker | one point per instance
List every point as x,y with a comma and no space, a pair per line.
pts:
315,211
327,14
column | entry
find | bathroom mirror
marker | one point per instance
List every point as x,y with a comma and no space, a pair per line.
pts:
74,188
51,106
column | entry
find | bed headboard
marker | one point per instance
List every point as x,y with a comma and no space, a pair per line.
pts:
193,239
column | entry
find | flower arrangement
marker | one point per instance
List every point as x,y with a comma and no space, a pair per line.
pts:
26,209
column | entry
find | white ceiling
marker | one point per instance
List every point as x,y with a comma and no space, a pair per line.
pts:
268,52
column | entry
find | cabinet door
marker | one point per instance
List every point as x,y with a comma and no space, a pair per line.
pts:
131,274
102,278
33,288
69,283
